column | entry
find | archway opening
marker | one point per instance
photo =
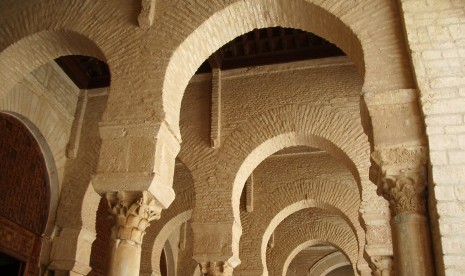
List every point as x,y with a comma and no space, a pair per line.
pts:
24,193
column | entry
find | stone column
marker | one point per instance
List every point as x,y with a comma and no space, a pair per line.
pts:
405,191
133,213
216,269
382,265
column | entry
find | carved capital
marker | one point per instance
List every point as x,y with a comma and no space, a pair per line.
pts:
405,192
382,265
133,213
216,269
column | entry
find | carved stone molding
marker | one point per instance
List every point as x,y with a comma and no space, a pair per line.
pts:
405,192
400,174
216,269
147,13
133,213
382,265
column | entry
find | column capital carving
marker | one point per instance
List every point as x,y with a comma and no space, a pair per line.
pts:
382,265
216,269
405,191
400,175
133,213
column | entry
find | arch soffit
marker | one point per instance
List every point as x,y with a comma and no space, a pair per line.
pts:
262,136
320,232
39,49
254,14
337,259
329,263
296,207
36,33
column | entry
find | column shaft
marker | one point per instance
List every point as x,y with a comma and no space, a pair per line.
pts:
412,245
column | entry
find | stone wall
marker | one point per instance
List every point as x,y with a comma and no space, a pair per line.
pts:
435,32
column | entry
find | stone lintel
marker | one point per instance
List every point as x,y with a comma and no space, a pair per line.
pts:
212,241
395,117
137,158
390,97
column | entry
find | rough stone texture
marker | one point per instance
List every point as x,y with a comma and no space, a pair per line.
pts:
306,228
435,34
264,109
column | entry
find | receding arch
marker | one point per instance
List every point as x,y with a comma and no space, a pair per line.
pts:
33,51
222,27
163,236
320,127
338,256
328,263
294,208
318,232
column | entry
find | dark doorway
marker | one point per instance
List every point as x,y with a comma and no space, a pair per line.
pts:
10,266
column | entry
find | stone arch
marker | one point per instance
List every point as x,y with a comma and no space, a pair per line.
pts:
40,48
339,24
170,261
328,263
29,191
163,236
52,119
50,165
320,127
321,232
296,207
177,213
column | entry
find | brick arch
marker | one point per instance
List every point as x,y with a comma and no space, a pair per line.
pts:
346,25
53,183
163,236
28,190
177,213
38,49
289,198
260,137
328,263
325,232
299,206
53,126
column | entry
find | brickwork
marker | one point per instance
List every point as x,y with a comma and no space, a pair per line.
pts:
171,219
47,98
435,34
302,228
278,194
23,177
263,110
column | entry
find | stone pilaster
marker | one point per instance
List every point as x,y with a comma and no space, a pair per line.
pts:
216,269
133,213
